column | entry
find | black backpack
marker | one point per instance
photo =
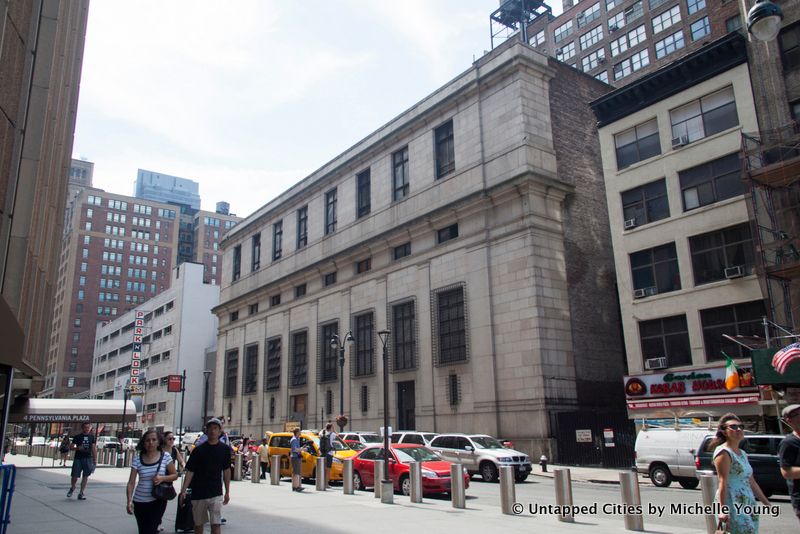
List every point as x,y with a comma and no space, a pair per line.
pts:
324,443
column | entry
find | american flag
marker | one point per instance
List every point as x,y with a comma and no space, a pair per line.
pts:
785,356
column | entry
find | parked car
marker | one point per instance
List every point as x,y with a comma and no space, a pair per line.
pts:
435,471
762,452
667,454
418,438
108,442
309,443
367,438
481,454
355,445
129,444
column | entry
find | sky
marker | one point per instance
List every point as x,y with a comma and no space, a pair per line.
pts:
248,97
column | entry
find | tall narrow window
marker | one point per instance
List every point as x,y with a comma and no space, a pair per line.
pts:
329,402
272,377
403,336
256,252
299,358
400,174
237,262
330,212
302,227
231,372
328,355
364,400
250,375
363,202
451,325
365,346
277,240
445,150
453,393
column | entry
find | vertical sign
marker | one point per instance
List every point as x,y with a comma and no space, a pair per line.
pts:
137,387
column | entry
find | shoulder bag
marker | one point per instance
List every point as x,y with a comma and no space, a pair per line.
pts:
164,491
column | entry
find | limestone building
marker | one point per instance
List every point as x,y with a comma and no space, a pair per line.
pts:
473,227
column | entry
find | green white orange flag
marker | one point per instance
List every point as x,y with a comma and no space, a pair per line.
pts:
731,373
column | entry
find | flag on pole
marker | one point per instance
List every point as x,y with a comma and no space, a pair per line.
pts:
785,356
731,373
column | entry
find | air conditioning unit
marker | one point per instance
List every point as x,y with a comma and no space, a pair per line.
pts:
581,16
639,293
683,140
655,363
601,60
612,28
630,223
558,52
650,291
736,271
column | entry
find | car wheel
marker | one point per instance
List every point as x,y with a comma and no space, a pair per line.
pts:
357,482
689,483
489,471
405,486
660,476
521,477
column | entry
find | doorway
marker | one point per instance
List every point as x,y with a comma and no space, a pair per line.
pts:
405,406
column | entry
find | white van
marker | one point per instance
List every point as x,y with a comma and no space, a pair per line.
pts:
667,454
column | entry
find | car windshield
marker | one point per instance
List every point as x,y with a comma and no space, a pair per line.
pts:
485,442
428,437
356,445
371,438
416,454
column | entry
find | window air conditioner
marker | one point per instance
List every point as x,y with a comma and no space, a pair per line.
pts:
639,293
655,363
558,51
650,291
736,271
612,28
683,140
601,60
630,223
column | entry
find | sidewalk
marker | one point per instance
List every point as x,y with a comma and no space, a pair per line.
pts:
40,505
597,475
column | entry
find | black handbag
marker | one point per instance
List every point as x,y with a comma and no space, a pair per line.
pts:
164,491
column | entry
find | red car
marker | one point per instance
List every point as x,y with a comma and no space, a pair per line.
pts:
435,471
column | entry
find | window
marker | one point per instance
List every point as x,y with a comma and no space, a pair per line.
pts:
403,336
738,320
364,265
401,251
255,263
364,344
446,234
634,12
638,143
400,174
364,398
231,372
234,316
566,52
445,149
277,240
714,252
669,44
666,19
592,37
363,201
733,24
537,39
711,182
655,270
330,212
703,117
627,66
253,309
563,31
453,393
299,291
700,28
299,358
272,376
693,6
302,227
646,203
629,40
602,76
616,22
329,279
71,382
666,337
655,3
272,407
789,40
237,262
250,375
588,15
451,326
275,300
329,402
593,60
611,4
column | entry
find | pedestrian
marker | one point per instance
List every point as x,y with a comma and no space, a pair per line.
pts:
789,455
64,449
174,451
85,447
297,460
153,466
208,466
326,448
263,458
736,482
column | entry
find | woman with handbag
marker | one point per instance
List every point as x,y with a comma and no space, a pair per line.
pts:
155,469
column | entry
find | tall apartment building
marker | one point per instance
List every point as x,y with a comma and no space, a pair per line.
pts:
42,52
619,41
473,227
208,231
81,174
118,254
167,189
179,329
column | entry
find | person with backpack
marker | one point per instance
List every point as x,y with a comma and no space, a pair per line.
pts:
326,449
64,450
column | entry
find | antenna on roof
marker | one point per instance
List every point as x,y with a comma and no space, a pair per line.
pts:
515,16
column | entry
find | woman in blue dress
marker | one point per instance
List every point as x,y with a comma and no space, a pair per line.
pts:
736,483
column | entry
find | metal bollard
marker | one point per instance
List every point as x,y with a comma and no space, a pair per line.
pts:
120,457
457,486
255,469
237,467
563,482
629,487
387,492
275,470
129,458
415,478
708,487
376,486
320,475
347,476
508,492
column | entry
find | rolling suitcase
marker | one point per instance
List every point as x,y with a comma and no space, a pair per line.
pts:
184,522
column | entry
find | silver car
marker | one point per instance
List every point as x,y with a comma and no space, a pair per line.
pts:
481,454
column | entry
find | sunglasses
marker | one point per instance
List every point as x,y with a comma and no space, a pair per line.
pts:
735,427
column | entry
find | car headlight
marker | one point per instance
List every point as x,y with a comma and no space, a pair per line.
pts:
504,459
428,474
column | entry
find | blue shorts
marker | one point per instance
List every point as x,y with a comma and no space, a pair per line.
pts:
82,465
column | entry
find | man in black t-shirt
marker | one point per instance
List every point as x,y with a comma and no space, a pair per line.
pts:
208,466
85,447
789,454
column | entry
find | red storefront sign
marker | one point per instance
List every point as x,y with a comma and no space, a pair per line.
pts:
694,382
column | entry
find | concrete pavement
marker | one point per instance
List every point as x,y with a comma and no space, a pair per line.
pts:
40,505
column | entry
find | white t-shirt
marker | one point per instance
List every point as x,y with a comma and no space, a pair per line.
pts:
144,488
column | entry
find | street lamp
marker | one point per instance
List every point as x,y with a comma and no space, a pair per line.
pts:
206,374
764,20
339,344
384,335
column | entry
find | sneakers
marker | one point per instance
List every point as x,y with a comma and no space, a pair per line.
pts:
70,492
301,488
81,497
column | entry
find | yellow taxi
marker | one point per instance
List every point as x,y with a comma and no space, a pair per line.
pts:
309,450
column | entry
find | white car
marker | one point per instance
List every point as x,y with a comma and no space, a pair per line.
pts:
129,444
481,454
108,442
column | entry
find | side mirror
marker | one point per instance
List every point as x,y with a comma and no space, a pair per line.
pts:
468,448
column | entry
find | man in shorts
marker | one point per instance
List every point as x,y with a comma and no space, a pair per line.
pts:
208,467
789,455
85,447
297,461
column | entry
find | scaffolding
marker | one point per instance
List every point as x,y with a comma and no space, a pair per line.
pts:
771,172
515,16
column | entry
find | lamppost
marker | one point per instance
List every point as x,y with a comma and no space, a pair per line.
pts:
384,335
764,20
206,374
339,344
